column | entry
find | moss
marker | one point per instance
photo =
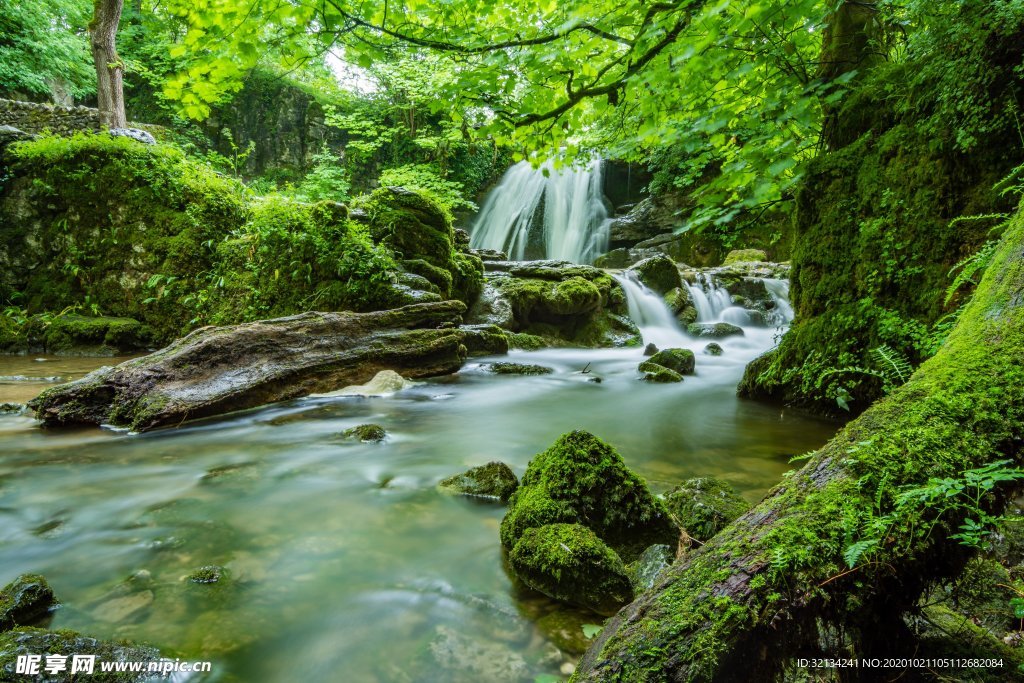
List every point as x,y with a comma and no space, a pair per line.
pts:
527,342
96,335
208,574
34,641
745,256
569,562
109,214
493,480
25,600
368,433
704,506
713,349
983,592
652,372
582,480
679,360
518,369
659,273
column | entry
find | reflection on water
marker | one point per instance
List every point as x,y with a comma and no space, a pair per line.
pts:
23,377
345,563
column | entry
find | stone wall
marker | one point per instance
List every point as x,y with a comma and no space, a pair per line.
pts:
34,117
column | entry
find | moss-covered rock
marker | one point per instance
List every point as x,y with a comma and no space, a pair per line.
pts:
569,562
582,480
209,574
494,480
704,506
714,330
680,302
644,571
518,369
95,335
680,360
652,372
35,641
659,273
368,433
745,256
713,349
25,600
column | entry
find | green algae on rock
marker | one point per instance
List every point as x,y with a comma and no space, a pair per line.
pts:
659,273
25,600
518,369
495,480
35,641
582,480
704,506
714,330
368,433
659,374
569,562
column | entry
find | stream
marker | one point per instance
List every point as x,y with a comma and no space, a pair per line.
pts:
344,561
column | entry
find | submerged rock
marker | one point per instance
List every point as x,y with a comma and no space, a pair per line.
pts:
494,480
384,383
518,369
368,433
704,506
652,372
659,273
36,641
714,330
651,563
209,574
713,349
569,562
582,480
25,600
464,659
216,370
679,360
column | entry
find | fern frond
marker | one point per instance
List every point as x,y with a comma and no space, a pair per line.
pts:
896,367
969,267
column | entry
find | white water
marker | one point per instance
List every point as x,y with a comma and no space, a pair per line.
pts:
575,219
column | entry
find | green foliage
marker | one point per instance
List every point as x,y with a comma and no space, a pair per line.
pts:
427,178
327,180
43,44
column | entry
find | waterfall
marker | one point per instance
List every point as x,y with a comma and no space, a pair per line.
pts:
650,313
779,291
709,298
573,223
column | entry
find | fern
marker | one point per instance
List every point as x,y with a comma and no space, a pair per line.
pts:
854,551
896,367
969,267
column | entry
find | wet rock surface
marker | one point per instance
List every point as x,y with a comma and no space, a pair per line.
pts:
495,481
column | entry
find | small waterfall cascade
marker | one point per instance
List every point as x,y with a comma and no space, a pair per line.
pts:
545,213
650,313
783,313
709,298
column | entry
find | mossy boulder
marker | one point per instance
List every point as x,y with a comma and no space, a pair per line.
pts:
368,433
25,600
713,349
495,480
568,562
745,256
582,480
659,374
518,369
680,360
659,273
101,336
680,302
714,330
704,506
644,571
35,641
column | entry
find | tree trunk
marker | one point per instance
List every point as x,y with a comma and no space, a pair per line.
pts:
109,71
775,585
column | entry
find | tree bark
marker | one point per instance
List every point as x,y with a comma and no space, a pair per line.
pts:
774,585
109,70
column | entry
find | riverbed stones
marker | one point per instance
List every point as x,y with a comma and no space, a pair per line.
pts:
35,641
211,573
367,433
659,374
581,479
704,506
494,481
25,600
714,330
713,349
504,368
659,273
680,360
568,562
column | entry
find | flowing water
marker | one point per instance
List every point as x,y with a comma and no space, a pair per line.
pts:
545,213
346,563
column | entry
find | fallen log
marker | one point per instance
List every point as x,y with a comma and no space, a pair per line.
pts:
216,370
777,583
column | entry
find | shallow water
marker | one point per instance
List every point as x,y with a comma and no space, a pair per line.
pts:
23,377
346,563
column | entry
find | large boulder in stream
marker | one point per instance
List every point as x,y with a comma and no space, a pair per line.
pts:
704,506
25,600
216,370
581,487
659,273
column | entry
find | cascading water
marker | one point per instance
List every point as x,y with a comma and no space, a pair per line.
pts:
572,224
648,310
709,298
